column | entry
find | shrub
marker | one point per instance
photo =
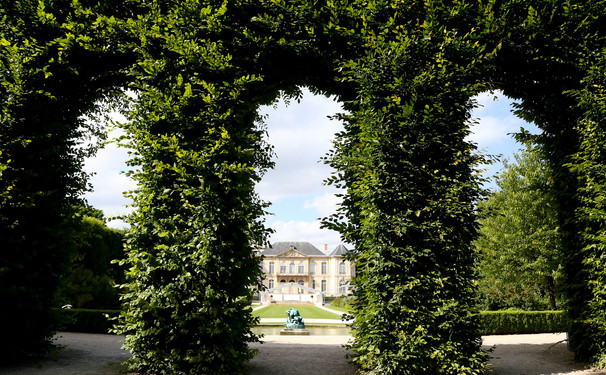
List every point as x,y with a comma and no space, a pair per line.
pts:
342,301
87,320
521,322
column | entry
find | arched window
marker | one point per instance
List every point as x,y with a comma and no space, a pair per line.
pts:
271,283
312,268
302,283
301,268
342,287
271,268
282,282
324,285
342,268
291,268
283,268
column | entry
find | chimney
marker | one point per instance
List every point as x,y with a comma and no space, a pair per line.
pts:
325,247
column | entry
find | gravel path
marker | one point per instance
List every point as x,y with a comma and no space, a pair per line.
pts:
84,354
93,354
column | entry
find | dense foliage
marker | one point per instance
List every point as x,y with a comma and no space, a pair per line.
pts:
90,281
198,70
511,322
586,277
46,86
198,155
410,186
519,238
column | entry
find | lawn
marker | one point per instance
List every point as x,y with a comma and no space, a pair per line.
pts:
306,311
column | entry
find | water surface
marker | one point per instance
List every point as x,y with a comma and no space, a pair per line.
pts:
317,331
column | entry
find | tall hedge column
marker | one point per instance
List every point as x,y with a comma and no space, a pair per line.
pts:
585,264
49,80
191,245
408,172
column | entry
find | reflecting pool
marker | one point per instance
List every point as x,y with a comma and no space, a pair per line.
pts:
317,331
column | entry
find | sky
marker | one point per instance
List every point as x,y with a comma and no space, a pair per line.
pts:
302,134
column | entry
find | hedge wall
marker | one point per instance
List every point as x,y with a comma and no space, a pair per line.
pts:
521,322
491,322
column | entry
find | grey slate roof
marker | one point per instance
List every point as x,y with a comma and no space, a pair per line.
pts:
339,250
302,247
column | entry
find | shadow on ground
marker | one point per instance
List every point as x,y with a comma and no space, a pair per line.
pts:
300,359
94,354
543,354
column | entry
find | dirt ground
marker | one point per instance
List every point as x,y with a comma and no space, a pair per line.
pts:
94,354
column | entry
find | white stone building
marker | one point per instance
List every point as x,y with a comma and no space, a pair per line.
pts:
290,264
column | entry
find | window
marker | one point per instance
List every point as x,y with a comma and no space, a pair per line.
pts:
301,268
312,268
283,268
342,268
271,267
291,268
300,282
282,282
324,285
323,268
342,287
271,284
313,284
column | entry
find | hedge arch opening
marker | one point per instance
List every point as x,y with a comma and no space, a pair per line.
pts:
301,134
405,72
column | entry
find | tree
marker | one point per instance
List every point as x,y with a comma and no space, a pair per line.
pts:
519,238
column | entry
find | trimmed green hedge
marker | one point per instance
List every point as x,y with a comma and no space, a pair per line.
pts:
521,322
87,320
491,322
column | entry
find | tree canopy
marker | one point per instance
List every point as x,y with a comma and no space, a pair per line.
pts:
405,71
519,241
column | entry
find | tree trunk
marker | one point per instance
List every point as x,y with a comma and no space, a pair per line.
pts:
551,292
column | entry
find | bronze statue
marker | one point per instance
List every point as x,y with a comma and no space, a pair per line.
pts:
294,319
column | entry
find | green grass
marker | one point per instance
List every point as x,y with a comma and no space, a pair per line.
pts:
306,311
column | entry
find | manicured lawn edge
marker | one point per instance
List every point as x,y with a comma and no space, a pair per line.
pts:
491,322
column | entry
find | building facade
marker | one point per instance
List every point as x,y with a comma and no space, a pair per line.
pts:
288,263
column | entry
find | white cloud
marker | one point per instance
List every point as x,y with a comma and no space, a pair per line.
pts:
301,134
109,183
491,130
325,204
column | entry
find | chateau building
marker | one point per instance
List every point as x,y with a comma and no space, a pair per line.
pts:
301,263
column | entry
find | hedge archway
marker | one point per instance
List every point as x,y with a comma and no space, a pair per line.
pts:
404,71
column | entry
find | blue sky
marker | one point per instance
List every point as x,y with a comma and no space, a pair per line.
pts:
301,134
